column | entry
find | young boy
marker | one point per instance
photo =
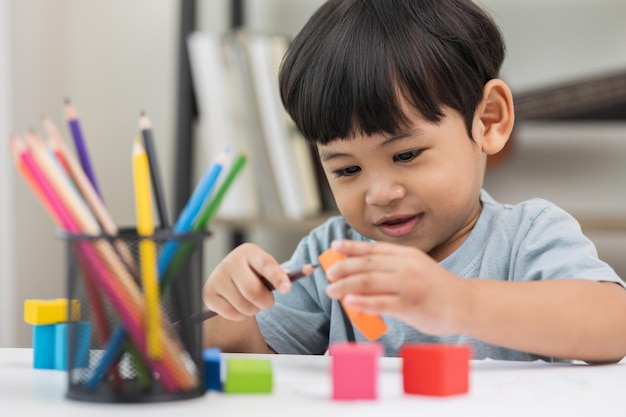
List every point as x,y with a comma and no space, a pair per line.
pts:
402,99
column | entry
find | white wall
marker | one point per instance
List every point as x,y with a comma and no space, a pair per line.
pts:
8,316
113,58
554,40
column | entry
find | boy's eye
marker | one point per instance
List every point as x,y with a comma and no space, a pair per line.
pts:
406,156
347,172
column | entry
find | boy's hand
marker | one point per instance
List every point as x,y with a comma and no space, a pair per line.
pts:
399,281
236,289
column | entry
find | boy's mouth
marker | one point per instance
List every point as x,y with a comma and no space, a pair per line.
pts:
399,226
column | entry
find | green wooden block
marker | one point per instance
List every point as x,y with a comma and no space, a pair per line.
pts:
248,376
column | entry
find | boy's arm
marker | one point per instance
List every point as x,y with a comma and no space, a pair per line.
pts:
241,336
562,318
565,318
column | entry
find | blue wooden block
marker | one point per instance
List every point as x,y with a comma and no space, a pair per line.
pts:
212,369
43,346
77,333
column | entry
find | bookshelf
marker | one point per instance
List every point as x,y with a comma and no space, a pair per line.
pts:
190,108
239,229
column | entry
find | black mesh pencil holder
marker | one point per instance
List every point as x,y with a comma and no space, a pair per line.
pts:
120,346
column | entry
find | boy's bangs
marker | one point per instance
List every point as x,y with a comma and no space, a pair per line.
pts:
355,89
347,69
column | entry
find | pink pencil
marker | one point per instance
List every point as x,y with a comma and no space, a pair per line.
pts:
123,304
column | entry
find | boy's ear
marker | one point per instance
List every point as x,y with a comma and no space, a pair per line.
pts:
494,117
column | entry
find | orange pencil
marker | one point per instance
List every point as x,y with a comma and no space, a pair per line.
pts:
15,146
107,268
58,152
93,199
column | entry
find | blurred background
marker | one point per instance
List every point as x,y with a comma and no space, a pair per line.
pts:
114,58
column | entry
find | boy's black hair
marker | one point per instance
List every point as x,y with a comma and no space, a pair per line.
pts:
343,71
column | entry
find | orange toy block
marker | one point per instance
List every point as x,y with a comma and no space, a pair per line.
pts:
371,326
38,312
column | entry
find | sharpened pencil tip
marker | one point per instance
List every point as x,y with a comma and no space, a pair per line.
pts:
144,122
66,100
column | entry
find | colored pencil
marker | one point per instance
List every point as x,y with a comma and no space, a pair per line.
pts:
183,224
18,147
204,218
212,207
145,125
193,206
119,287
71,115
56,150
67,222
147,247
59,180
93,199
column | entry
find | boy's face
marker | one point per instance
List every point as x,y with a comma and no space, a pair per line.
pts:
419,187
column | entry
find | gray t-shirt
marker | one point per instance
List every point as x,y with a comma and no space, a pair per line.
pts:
531,241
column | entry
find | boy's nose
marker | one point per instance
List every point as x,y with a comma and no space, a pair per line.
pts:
383,191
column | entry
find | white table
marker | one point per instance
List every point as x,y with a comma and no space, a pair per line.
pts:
302,388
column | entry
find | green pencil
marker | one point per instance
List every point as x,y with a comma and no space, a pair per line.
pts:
213,205
204,218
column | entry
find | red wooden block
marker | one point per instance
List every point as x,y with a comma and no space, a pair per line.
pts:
355,370
435,369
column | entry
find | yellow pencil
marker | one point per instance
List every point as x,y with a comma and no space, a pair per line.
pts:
147,248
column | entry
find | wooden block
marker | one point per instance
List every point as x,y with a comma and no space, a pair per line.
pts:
78,334
355,370
43,346
371,326
248,376
39,312
212,358
329,258
435,369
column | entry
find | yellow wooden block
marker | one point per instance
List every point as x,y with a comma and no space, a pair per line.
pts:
50,311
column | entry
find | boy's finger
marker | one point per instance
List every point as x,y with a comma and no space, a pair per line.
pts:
364,283
272,276
361,264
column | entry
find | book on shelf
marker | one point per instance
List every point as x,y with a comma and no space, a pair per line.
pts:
290,155
600,96
235,77
247,119
220,119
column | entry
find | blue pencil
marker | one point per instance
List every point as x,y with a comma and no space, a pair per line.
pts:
183,225
185,221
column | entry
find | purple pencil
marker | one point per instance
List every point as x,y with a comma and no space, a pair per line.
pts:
79,141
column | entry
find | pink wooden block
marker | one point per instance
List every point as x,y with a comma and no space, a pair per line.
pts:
355,370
